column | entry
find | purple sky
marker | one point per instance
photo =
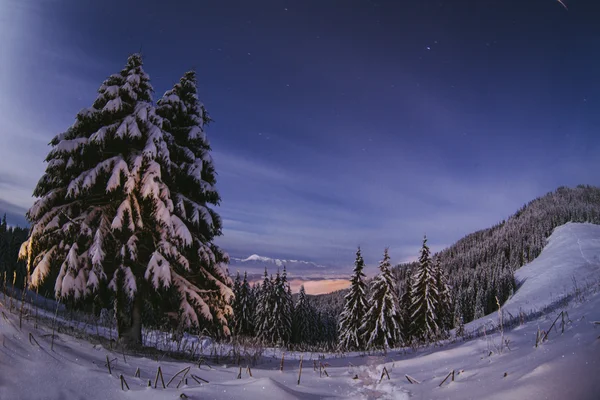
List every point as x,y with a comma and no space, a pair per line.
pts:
337,123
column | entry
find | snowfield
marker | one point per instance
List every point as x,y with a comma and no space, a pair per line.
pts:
565,366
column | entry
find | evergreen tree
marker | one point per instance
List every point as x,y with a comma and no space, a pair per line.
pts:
264,310
405,305
355,308
104,218
288,303
304,320
444,311
281,328
381,327
424,299
247,308
236,305
190,175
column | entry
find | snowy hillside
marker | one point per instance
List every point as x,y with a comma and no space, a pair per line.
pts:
571,258
566,365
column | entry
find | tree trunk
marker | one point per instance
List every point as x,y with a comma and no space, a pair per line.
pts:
129,316
132,335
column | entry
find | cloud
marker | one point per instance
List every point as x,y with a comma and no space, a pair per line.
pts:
270,210
15,215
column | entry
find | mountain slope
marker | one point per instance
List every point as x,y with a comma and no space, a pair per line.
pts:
481,265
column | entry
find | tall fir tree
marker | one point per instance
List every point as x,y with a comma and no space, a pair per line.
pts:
247,308
191,178
424,299
281,329
381,327
355,308
236,305
405,305
303,326
444,311
104,218
264,311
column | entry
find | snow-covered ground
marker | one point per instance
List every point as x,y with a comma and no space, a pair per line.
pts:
566,366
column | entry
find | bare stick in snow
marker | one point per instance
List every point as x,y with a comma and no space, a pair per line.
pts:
551,326
183,377
175,376
137,373
451,373
411,379
107,364
384,372
281,364
159,373
300,371
22,305
249,371
123,382
54,324
240,374
32,338
198,379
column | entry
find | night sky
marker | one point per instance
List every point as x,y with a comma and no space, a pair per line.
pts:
337,123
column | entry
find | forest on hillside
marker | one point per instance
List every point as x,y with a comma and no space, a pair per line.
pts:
481,265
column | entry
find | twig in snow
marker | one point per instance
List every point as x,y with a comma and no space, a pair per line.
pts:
384,372
137,373
53,325
551,326
198,379
411,379
123,381
32,338
451,373
186,370
159,373
322,368
108,365
300,371
183,377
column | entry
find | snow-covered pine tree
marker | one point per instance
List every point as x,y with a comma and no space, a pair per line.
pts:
355,308
424,298
281,328
303,324
236,305
264,311
444,311
381,326
405,305
246,308
191,178
104,214
288,302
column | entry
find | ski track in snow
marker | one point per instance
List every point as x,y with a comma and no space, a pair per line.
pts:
565,366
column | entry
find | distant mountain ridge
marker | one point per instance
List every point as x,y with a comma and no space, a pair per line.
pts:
256,264
256,259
